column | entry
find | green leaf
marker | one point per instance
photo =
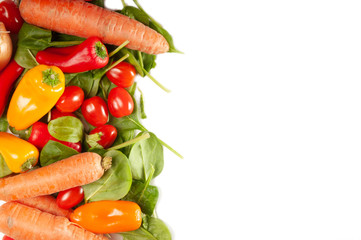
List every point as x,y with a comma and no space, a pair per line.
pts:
154,229
83,80
136,14
145,196
4,170
145,155
115,183
99,3
93,139
142,111
55,151
25,57
68,129
32,37
4,125
65,37
132,59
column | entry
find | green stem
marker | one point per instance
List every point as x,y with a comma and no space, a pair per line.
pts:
118,48
140,59
156,82
116,63
130,142
171,149
32,56
65,43
124,4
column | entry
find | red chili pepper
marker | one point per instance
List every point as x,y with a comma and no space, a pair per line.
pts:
40,136
7,79
89,55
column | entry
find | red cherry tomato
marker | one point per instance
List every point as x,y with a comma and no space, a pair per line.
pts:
7,238
120,102
122,74
95,111
108,134
70,198
10,16
71,99
55,113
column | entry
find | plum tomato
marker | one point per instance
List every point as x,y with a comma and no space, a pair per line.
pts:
55,113
10,16
7,238
108,134
120,102
71,99
95,111
122,74
70,198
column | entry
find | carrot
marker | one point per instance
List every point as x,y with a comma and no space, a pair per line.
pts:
79,18
22,222
46,204
77,170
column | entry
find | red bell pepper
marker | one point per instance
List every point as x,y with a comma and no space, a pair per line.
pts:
40,136
7,79
89,55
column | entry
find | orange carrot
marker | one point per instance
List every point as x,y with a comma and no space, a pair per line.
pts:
46,204
22,222
77,170
79,18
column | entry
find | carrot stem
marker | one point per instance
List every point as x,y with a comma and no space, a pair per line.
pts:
118,48
116,63
64,43
130,142
156,82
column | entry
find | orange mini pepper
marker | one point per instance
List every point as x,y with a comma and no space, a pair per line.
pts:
36,94
108,216
18,154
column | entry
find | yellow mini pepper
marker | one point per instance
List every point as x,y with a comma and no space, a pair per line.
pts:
18,154
36,94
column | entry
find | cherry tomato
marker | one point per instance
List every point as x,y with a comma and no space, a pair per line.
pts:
10,16
120,102
95,111
108,216
70,198
71,99
55,113
7,238
108,134
122,74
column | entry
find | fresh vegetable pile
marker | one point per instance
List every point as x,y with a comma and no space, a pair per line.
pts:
78,159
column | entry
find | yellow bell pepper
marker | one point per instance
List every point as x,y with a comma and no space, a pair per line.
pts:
18,154
36,94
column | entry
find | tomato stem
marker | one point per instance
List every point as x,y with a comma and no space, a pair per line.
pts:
130,142
118,48
156,82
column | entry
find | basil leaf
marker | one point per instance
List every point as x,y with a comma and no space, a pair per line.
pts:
4,169
68,129
144,156
114,184
4,125
55,151
155,229
145,196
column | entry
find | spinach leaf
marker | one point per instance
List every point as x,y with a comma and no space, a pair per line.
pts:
32,37
4,125
132,59
65,37
83,80
145,196
136,14
144,156
148,61
141,105
115,183
99,3
152,229
26,57
55,151
126,136
68,129
4,170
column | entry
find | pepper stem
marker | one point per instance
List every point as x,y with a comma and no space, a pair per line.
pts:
101,50
50,77
28,164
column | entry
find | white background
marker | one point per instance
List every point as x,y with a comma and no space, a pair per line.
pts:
265,107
